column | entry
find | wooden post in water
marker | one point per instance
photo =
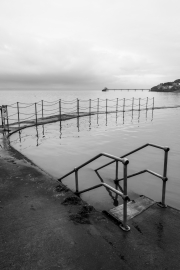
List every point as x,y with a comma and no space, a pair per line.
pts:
42,108
18,113
60,112
36,112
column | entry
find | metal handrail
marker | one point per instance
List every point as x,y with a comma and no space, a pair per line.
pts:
124,195
165,148
164,177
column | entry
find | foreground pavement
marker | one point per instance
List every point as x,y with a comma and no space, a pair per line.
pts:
43,225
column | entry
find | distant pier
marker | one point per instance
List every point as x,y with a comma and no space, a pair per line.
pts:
126,89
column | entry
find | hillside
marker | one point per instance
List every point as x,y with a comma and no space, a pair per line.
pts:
167,87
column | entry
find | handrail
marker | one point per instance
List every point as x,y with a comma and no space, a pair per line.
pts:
125,161
144,171
164,177
166,149
124,195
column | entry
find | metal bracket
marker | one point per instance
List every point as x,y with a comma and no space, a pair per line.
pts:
160,204
126,229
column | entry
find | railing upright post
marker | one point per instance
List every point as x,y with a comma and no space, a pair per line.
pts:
139,104
1,117
42,108
76,180
106,106
164,175
89,106
7,118
117,106
153,104
124,105
60,112
146,103
18,113
132,104
97,109
125,227
36,112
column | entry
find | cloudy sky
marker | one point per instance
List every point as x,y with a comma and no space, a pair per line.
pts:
88,44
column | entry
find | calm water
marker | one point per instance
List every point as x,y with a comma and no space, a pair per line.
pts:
59,150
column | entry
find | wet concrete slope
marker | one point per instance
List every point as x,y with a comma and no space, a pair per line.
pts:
43,225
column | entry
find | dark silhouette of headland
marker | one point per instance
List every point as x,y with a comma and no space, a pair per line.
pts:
167,87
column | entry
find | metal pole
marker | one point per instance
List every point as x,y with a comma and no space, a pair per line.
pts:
116,170
106,106
60,112
97,109
18,113
164,175
117,106
125,227
153,104
146,103
124,105
42,108
78,113
132,104
1,117
36,112
89,106
76,180
139,103
7,118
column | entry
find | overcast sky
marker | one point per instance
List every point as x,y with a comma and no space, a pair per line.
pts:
88,44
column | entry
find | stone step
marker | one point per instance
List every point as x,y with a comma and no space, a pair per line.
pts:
134,208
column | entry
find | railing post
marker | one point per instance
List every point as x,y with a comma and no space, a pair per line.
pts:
77,112
117,106
97,109
153,104
132,104
106,106
124,105
89,106
7,118
36,112
146,103
124,226
139,104
18,113
42,108
164,175
60,112
1,117
76,180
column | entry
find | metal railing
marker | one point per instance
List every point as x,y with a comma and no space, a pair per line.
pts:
164,177
122,194
125,162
